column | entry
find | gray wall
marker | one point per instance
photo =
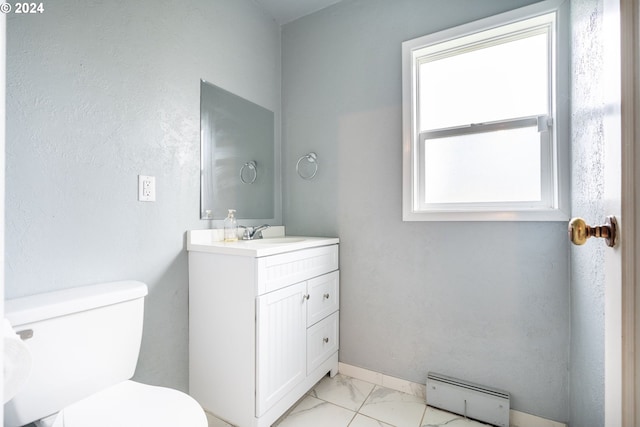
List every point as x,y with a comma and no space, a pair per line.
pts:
97,93
487,302
587,274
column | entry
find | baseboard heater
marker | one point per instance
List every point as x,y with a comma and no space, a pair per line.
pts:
471,400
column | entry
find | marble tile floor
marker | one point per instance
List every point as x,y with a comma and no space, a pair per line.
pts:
348,402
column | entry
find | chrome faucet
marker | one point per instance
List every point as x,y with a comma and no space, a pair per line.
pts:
252,233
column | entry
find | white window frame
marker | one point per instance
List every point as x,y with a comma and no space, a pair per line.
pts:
555,129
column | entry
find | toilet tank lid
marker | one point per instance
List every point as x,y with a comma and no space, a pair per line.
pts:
34,308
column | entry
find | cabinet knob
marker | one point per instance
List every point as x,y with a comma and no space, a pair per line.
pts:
326,296
306,297
325,339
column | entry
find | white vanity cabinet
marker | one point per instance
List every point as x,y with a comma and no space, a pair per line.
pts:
262,330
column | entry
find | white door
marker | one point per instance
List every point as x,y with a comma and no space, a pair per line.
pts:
612,204
612,194
622,396
281,344
621,120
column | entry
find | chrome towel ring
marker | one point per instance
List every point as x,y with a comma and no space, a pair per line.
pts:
252,167
312,160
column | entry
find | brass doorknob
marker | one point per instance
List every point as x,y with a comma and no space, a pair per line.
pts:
579,231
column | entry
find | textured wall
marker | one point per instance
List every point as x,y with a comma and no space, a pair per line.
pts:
97,93
487,302
587,192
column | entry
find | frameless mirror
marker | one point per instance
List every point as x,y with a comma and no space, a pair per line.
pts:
237,156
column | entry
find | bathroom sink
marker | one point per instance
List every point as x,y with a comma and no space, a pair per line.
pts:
278,240
272,244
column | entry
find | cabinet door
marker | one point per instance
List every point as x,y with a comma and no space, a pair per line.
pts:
281,344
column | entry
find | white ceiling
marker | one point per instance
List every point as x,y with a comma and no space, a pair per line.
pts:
284,11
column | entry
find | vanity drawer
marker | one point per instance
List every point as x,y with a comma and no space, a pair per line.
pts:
322,341
277,271
323,296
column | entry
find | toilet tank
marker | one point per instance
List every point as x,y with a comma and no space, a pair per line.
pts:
84,339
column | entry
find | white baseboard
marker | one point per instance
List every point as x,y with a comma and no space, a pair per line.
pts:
522,419
516,418
387,381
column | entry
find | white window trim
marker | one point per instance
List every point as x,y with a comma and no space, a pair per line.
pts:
559,208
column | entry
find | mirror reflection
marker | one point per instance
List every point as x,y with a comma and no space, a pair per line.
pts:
237,156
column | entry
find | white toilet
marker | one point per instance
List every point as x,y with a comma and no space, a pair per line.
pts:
84,344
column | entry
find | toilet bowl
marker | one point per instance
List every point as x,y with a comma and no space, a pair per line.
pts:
131,404
85,343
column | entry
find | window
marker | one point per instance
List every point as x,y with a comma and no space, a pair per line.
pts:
484,135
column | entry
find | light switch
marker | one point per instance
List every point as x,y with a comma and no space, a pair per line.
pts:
146,188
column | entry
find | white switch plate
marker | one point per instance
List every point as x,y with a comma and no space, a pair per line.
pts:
146,188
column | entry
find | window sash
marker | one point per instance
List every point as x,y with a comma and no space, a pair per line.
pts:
478,43
548,197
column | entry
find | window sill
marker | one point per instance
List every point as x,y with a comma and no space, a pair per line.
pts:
447,216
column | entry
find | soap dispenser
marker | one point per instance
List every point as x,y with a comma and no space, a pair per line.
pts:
231,227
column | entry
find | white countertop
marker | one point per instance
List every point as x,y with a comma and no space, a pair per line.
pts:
274,242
